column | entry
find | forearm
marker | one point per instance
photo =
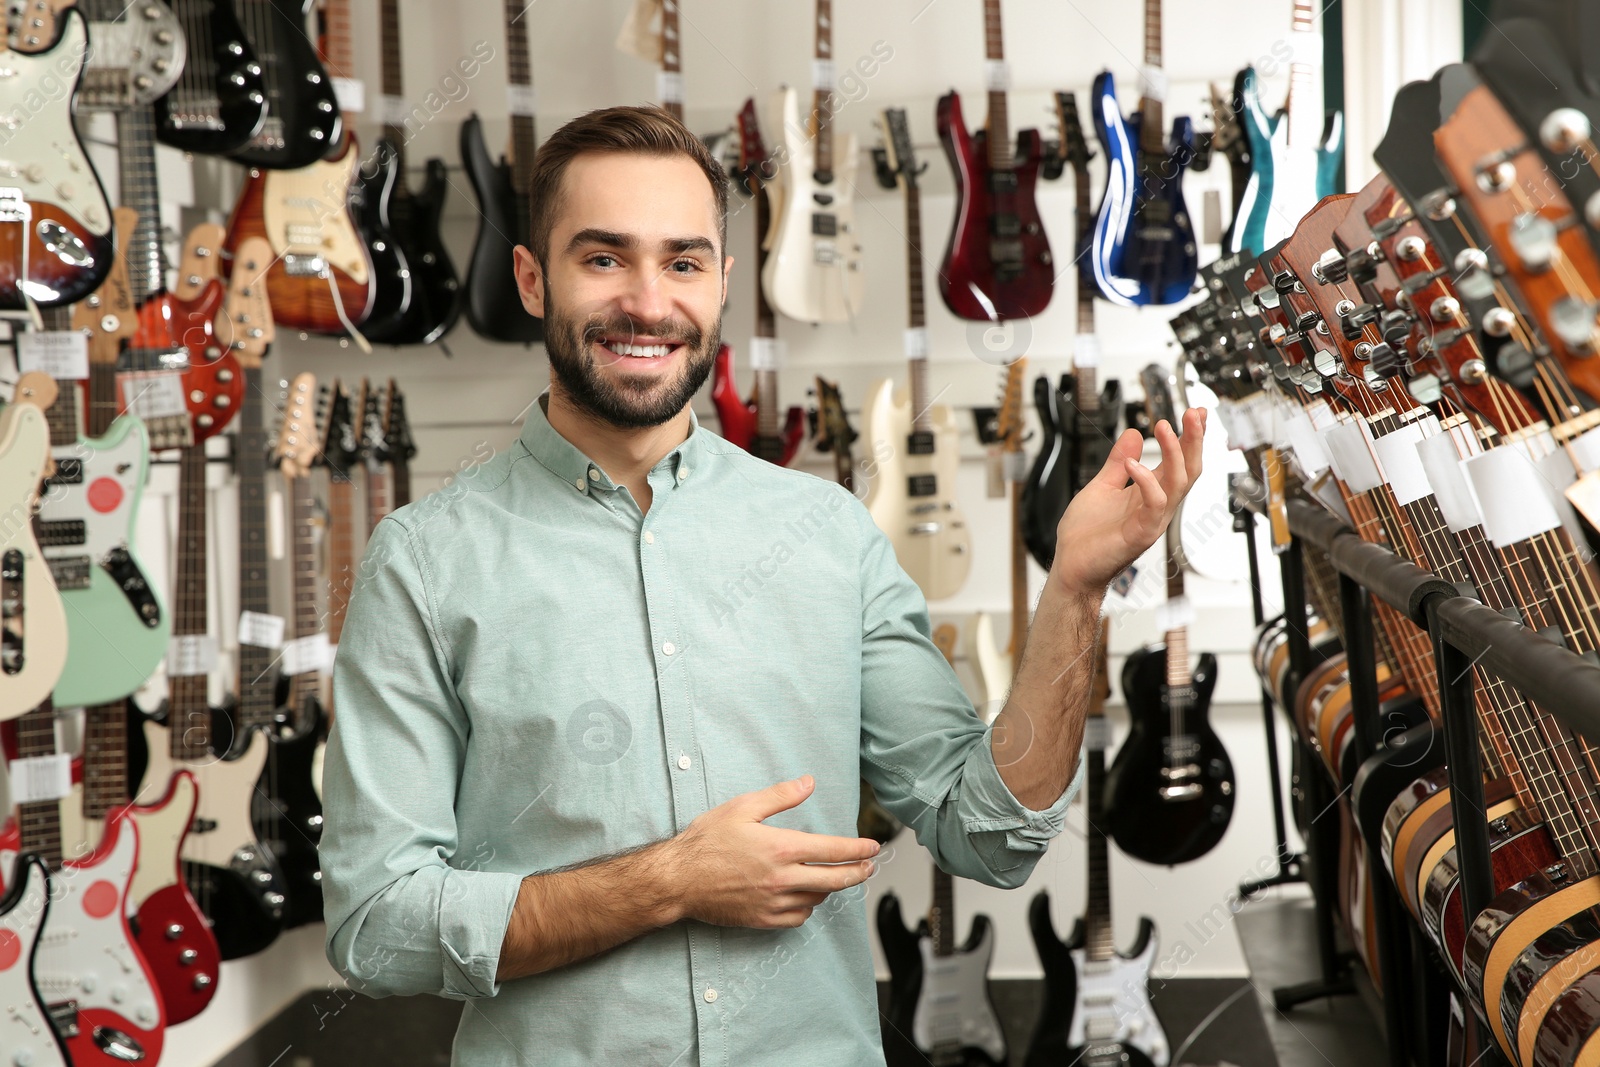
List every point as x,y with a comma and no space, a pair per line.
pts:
1038,734
566,916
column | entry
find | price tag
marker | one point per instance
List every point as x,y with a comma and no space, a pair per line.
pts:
153,394
669,86
1122,584
1086,350
351,94
191,654
1153,83
260,629
765,353
303,655
1175,614
521,100
41,778
822,75
997,75
62,354
393,110
1307,47
1017,464
916,341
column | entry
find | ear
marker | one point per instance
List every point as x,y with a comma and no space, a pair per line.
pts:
530,281
727,268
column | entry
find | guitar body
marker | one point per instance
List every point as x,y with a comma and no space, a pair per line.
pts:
1286,182
228,107
1074,446
66,244
927,529
997,264
414,220
395,281
213,384
920,982
32,655
287,814
304,215
737,420
1143,249
990,662
493,304
88,953
1146,826
813,271
303,117
25,1028
138,56
117,624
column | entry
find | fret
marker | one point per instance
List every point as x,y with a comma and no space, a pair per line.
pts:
39,822
257,678
136,168
822,99
392,81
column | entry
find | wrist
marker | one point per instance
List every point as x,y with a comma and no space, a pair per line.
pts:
664,873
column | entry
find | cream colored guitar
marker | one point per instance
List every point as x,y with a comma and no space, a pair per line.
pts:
33,621
993,665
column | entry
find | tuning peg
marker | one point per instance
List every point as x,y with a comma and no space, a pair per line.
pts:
1383,361
1361,265
1284,281
880,165
1331,268
1306,321
1395,327
1356,319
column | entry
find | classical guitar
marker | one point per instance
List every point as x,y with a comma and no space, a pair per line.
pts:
26,1028
493,305
219,102
33,621
753,424
997,264
1078,420
940,1007
912,498
55,225
1143,249
814,272
410,217
993,665
303,120
1294,155
1097,1007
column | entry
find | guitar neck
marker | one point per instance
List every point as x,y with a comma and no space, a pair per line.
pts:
378,495
1151,129
39,822
998,126
1304,101
62,416
188,712
822,98
519,73
304,516
1179,676
672,58
942,914
921,417
341,551
400,484
257,680
393,82
1098,944
337,45
1085,387
136,168
105,758
1019,579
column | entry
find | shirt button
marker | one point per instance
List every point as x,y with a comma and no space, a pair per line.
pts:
649,537
668,648
594,474
683,763
711,995
580,483
683,472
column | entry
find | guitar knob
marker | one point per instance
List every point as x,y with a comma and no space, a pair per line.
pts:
1354,320
174,931
202,981
188,956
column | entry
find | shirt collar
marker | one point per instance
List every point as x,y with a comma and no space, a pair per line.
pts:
568,463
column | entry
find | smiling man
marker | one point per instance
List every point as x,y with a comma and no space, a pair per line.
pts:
604,701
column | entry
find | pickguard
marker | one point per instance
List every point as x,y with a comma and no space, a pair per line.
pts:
24,1030
1113,1005
953,1004
305,217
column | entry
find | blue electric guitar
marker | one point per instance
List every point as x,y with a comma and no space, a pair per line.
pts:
1294,154
1143,248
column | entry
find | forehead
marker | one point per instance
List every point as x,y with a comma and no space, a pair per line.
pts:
649,197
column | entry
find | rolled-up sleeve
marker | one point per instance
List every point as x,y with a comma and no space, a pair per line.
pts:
406,913
924,748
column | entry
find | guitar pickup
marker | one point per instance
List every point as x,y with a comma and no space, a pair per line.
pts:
13,207
71,572
1180,792
1005,225
299,265
918,485
1180,774
1002,181
920,443
824,224
825,254
69,471
926,529
60,533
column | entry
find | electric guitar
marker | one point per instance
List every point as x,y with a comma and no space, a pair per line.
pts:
1229,138
55,224
1003,437
219,102
26,1029
912,499
494,306
303,120
1097,1009
753,424
1143,249
938,993
814,270
1078,420
33,622
998,263
340,454
1294,155
374,455
398,446
139,53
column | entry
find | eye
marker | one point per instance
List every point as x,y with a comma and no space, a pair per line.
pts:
603,260
685,266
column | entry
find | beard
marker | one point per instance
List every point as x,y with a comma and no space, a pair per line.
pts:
628,402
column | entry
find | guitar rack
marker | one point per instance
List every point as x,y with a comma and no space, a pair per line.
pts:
1464,634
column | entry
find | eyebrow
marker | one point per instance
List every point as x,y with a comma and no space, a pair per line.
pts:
611,238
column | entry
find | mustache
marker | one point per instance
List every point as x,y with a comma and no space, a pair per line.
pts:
668,330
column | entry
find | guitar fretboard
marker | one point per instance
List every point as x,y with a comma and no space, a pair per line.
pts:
393,82
822,113
39,822
921,417
304,686
1179,676
998,125
519,72
257,678
1304,101
105,758
671,52
338,48
136,167
188,713
1152,129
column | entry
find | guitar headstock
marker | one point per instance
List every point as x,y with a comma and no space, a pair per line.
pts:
1157,382
901,159
35,389
396,430
296,445
341,447
36,25
755,165
834,432
944,639
248,315
200,262
374,447
1074,145
1008,419
108,314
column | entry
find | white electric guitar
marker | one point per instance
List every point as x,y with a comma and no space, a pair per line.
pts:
25,1029
813,272
912,497
992,664
139,51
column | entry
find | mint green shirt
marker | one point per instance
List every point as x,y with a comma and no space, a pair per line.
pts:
534,674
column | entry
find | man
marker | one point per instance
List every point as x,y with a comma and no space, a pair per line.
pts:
604,701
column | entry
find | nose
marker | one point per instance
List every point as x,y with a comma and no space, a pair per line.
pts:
644,298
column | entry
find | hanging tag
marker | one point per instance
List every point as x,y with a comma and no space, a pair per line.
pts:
916,343
1122,584
1211,216
393,110
996,75
521,100
275,524
303,655
41,778
1086,350
351,94
153,395
994,469
669,86
1017,466
62,354
259,629
1174,614
822,75
1153,83
1096,734
765,353
191,654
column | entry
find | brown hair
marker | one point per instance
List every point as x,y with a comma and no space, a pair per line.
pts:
648,130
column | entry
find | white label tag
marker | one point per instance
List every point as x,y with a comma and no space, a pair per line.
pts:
765,353
1508,488
62,354
1307,47
1308,450
153,394
521,100
822,75
1153,83
669,86
1174,614
259,629
1397,452
916,342
393,110
1086,350
996,75
41,778
1017,465
302,655
351,94
191,654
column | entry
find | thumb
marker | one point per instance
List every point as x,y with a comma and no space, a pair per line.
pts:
765,803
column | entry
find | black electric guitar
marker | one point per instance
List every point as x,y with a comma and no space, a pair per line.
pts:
1078,420
940,1008
494,308
220,101
1097,1008
410,217
303,120
398,446
1170,790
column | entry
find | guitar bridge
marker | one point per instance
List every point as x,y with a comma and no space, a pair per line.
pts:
824,224
71,572
301,265
1180,792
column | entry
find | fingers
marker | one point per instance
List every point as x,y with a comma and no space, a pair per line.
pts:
1114,474
801,847
1144,479
765,803
1173,471
809,878
1194,440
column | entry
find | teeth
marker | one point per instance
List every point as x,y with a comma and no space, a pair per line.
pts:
650,351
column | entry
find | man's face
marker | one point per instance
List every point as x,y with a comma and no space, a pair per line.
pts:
632,299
